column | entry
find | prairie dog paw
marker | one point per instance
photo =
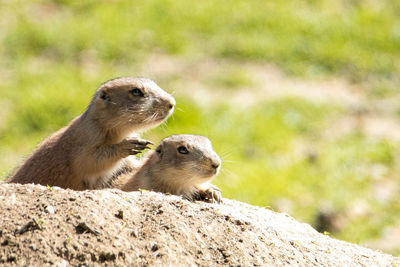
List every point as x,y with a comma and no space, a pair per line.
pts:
211,194
133,145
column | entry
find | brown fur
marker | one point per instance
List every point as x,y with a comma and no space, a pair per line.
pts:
169,171
86,153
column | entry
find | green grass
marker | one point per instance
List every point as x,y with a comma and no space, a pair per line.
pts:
53,55
357,39
232,78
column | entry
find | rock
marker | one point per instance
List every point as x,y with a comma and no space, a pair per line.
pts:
50,209
232,233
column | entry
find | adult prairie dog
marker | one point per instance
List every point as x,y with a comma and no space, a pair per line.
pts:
181,165
86,153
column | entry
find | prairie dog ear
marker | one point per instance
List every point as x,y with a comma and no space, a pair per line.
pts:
104,95
159,151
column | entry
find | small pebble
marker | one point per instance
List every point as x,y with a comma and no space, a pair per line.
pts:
62,263
50,209
13,198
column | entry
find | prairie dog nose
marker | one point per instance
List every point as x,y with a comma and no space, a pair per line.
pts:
215,162
171,102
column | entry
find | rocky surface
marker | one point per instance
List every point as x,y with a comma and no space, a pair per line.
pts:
50,226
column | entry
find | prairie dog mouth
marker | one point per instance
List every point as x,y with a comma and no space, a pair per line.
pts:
163,115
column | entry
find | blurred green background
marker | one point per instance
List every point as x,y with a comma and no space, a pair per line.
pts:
300,98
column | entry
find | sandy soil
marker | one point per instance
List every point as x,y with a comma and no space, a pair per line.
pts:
50,226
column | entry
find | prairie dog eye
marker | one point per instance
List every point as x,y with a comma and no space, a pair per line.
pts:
137,92
183,150
159,152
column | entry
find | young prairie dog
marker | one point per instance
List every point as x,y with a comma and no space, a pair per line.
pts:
86,153
181,165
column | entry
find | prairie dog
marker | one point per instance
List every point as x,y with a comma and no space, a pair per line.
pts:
181,165
86,153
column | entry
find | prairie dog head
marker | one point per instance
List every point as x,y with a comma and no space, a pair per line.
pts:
134,103
186,159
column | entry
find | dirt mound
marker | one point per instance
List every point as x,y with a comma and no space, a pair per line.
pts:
40,225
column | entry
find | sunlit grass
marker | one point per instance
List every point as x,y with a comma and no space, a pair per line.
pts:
303,37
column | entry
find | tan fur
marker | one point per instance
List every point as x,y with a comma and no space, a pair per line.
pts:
95,145
168,171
